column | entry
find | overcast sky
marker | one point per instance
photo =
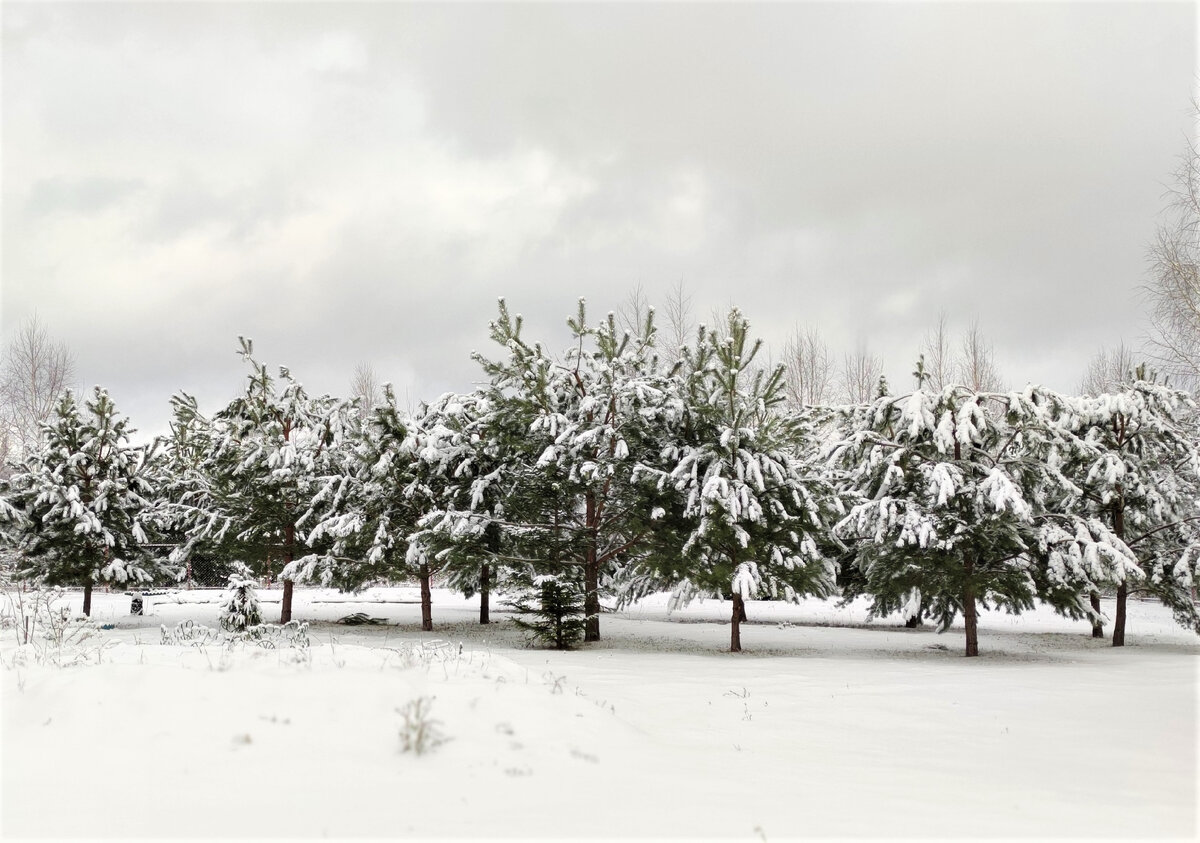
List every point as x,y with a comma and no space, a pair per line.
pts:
349,183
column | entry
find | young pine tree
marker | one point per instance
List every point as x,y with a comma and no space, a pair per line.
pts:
551,609
1137,471
239,607
83,498
740,509
962,503
267,455
574,429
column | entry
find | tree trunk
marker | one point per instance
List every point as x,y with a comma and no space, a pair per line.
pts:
285,611
485,584
735,631
426,601
970,619
87,599
743,617
1122,589
1119,620
1097,625
289,541
591,579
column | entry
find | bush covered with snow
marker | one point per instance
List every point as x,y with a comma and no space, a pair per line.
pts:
240,608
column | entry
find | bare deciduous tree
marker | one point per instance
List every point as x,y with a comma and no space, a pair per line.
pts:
808,368
631,315
976,363
861,372
365,386
679,327
34,370
1108,371
1173,292
939,357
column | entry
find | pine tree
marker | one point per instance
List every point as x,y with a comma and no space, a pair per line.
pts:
469,470
265,458
551,609
239,607
1137,471
963,502
740,509
573,431
369,508
83,499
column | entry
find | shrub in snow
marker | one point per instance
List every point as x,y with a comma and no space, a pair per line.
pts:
419,732
552,611
43,625
239,605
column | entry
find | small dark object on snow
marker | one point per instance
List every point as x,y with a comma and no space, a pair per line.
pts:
359,619
135,605
108,626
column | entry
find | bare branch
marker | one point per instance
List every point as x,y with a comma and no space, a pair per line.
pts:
34,371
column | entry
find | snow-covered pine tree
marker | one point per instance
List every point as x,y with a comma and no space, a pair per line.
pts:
83,498
269,453
369,509
469,469
962,504
1138,471
741,507
239,607
578,427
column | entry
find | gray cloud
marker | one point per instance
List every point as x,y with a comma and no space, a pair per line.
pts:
359,182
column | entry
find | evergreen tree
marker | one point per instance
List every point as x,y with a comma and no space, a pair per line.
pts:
551,609
265,457
1137,471
469,468
369,508
573,431
83,499
963,502
740,507
239,607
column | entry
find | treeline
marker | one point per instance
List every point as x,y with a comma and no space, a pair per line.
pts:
633,464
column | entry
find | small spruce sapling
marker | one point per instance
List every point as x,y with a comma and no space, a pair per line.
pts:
552,610
240,608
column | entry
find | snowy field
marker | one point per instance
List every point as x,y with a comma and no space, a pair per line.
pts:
825,727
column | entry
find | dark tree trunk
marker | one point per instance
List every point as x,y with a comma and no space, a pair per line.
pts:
87,599
485,585
1122,589
289,543
970,619
735,632
743,617
591,579
285,612
1097,625
1119,620
426,601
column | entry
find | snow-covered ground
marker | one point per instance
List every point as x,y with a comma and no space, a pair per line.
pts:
825,727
